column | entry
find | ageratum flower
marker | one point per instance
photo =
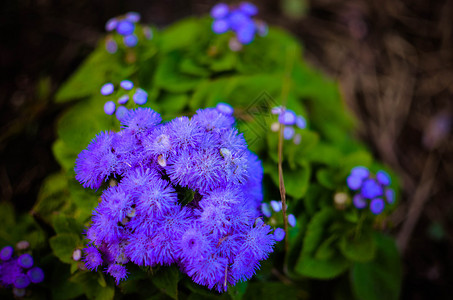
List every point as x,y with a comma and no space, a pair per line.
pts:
188,192
17,272
369,188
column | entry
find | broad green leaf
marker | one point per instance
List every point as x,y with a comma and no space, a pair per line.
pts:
307,264
63,245
80,124
65,155
62,288
326,250
168,77
91,287
182,34
270,291
167,281
325,178
360,248
65,224
52,196
237,291
99,68
380,278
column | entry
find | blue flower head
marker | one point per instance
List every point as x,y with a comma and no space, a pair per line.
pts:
238,19
370,190
187,191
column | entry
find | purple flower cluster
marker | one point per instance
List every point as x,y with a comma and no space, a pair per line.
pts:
139,96
18,271
125,26
188,192
369,188
238,19
279,233
289,120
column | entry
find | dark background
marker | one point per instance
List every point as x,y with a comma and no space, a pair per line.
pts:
393,61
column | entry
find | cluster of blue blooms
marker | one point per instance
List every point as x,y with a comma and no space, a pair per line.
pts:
139,96
18,271
289,120
279,233
125,27
370,188
238,19
187,191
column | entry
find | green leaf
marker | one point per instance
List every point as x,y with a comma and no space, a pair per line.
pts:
91,287
167,281
326,250
361,248
182,34
270,291
296,181
80,124
65,155
307,264
380,278
99,68
237,291
63,245
52,196
168,78
325,178
65,224
62,288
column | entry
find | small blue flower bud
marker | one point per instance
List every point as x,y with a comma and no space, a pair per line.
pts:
288,117
265,209
371,189
225,108
276,205
246,33
127,84
21,281
219,11
288,132
220,26
77,254
123,99
133,16
377,206
111,46
360,171
25,261
36,274
237,19
107,89
109,107
279,234
358,201
383,177
111,24
292,220
390,196
297,139
6,253
130,40
354,182
248,8
301,122
140,97
125,27
121,112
